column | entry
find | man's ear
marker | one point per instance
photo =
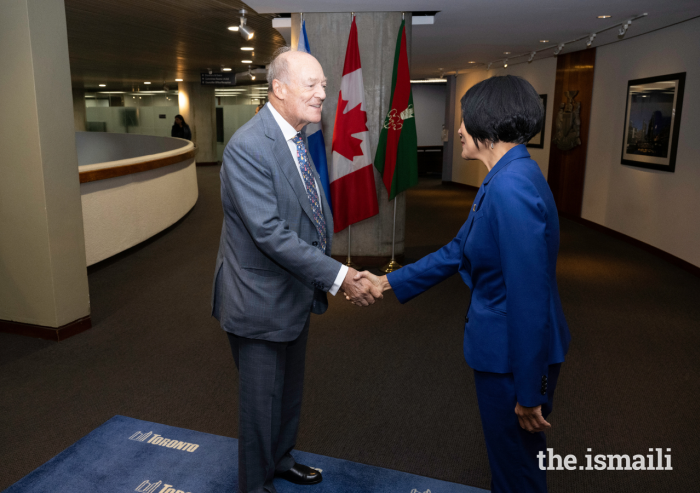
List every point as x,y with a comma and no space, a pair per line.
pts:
279,89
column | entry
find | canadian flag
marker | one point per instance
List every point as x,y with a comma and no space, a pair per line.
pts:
352,174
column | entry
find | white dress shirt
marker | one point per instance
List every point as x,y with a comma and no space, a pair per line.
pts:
289,133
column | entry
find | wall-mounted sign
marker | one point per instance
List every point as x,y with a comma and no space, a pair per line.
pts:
218,79
161,117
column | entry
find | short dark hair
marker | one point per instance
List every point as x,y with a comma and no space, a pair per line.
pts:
183,120
502,109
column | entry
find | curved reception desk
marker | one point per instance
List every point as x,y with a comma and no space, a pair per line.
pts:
132,187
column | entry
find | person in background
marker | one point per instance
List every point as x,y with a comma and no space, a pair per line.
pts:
259,107
181,130
515,334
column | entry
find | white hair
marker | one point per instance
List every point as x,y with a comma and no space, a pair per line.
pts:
279,68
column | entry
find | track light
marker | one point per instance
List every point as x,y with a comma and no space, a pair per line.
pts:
623,28
246,32
591,37
252,77
505,64
532,57
488,67
560,47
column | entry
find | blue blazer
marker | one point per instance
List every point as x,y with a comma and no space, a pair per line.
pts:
506,252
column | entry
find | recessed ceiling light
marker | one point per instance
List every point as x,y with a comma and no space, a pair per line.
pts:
471,62
247,48
226,69
604,16
233,28
146,83
178,80
544,41
103,85
246,61
506,52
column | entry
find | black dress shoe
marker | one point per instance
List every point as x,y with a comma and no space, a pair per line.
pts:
300,474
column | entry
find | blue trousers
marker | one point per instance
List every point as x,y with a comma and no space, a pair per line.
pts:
512,451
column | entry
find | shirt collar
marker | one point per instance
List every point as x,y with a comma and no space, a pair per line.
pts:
517,152
287,130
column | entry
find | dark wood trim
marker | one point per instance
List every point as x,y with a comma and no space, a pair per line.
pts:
367,262
460,185
678,262
209,163
103,174
429,148
43,332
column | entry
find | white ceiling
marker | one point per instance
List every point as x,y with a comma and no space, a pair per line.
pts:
482,30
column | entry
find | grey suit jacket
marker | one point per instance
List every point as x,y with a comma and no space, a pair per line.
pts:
269,274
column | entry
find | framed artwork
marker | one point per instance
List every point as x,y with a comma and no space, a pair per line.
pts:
537,141
653,121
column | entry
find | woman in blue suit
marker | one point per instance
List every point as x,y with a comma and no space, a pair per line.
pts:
515,334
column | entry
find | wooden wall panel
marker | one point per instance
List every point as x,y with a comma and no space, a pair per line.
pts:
567,169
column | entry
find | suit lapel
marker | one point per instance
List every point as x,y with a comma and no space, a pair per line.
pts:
285,161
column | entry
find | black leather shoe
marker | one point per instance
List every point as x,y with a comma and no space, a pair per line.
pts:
300,474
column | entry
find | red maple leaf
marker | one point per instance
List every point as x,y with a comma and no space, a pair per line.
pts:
346,124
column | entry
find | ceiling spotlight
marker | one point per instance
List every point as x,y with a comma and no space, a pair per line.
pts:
178,80
560,47
471,62
506,52
604,16
505,64
623,28
244,29
233,28
225,69
488,67
246,61
252,77
544,41
247,48
103,85
532,57
591,37
147,83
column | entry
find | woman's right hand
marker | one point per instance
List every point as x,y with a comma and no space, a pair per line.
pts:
380,282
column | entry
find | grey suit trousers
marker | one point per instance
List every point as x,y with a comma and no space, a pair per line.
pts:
271,383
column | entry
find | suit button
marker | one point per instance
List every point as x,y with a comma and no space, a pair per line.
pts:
315,243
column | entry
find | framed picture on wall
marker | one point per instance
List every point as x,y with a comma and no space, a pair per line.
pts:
538,140
653,121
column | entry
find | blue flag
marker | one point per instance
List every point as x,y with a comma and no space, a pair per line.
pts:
314,133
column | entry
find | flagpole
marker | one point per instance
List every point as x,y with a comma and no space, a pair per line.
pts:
348,261
393,264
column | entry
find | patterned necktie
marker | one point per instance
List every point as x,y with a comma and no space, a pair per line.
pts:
310,185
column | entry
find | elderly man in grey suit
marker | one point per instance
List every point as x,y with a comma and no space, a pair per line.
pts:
274,268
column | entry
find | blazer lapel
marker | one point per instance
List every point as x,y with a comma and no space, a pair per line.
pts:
285,161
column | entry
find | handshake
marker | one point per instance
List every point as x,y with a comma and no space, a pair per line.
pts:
364,288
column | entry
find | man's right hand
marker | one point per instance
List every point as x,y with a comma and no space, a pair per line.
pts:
361,292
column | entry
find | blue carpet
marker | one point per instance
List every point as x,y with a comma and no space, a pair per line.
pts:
126,454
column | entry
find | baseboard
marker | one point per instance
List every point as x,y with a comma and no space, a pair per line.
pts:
368,262
679,262
208,163
460,185
43,332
